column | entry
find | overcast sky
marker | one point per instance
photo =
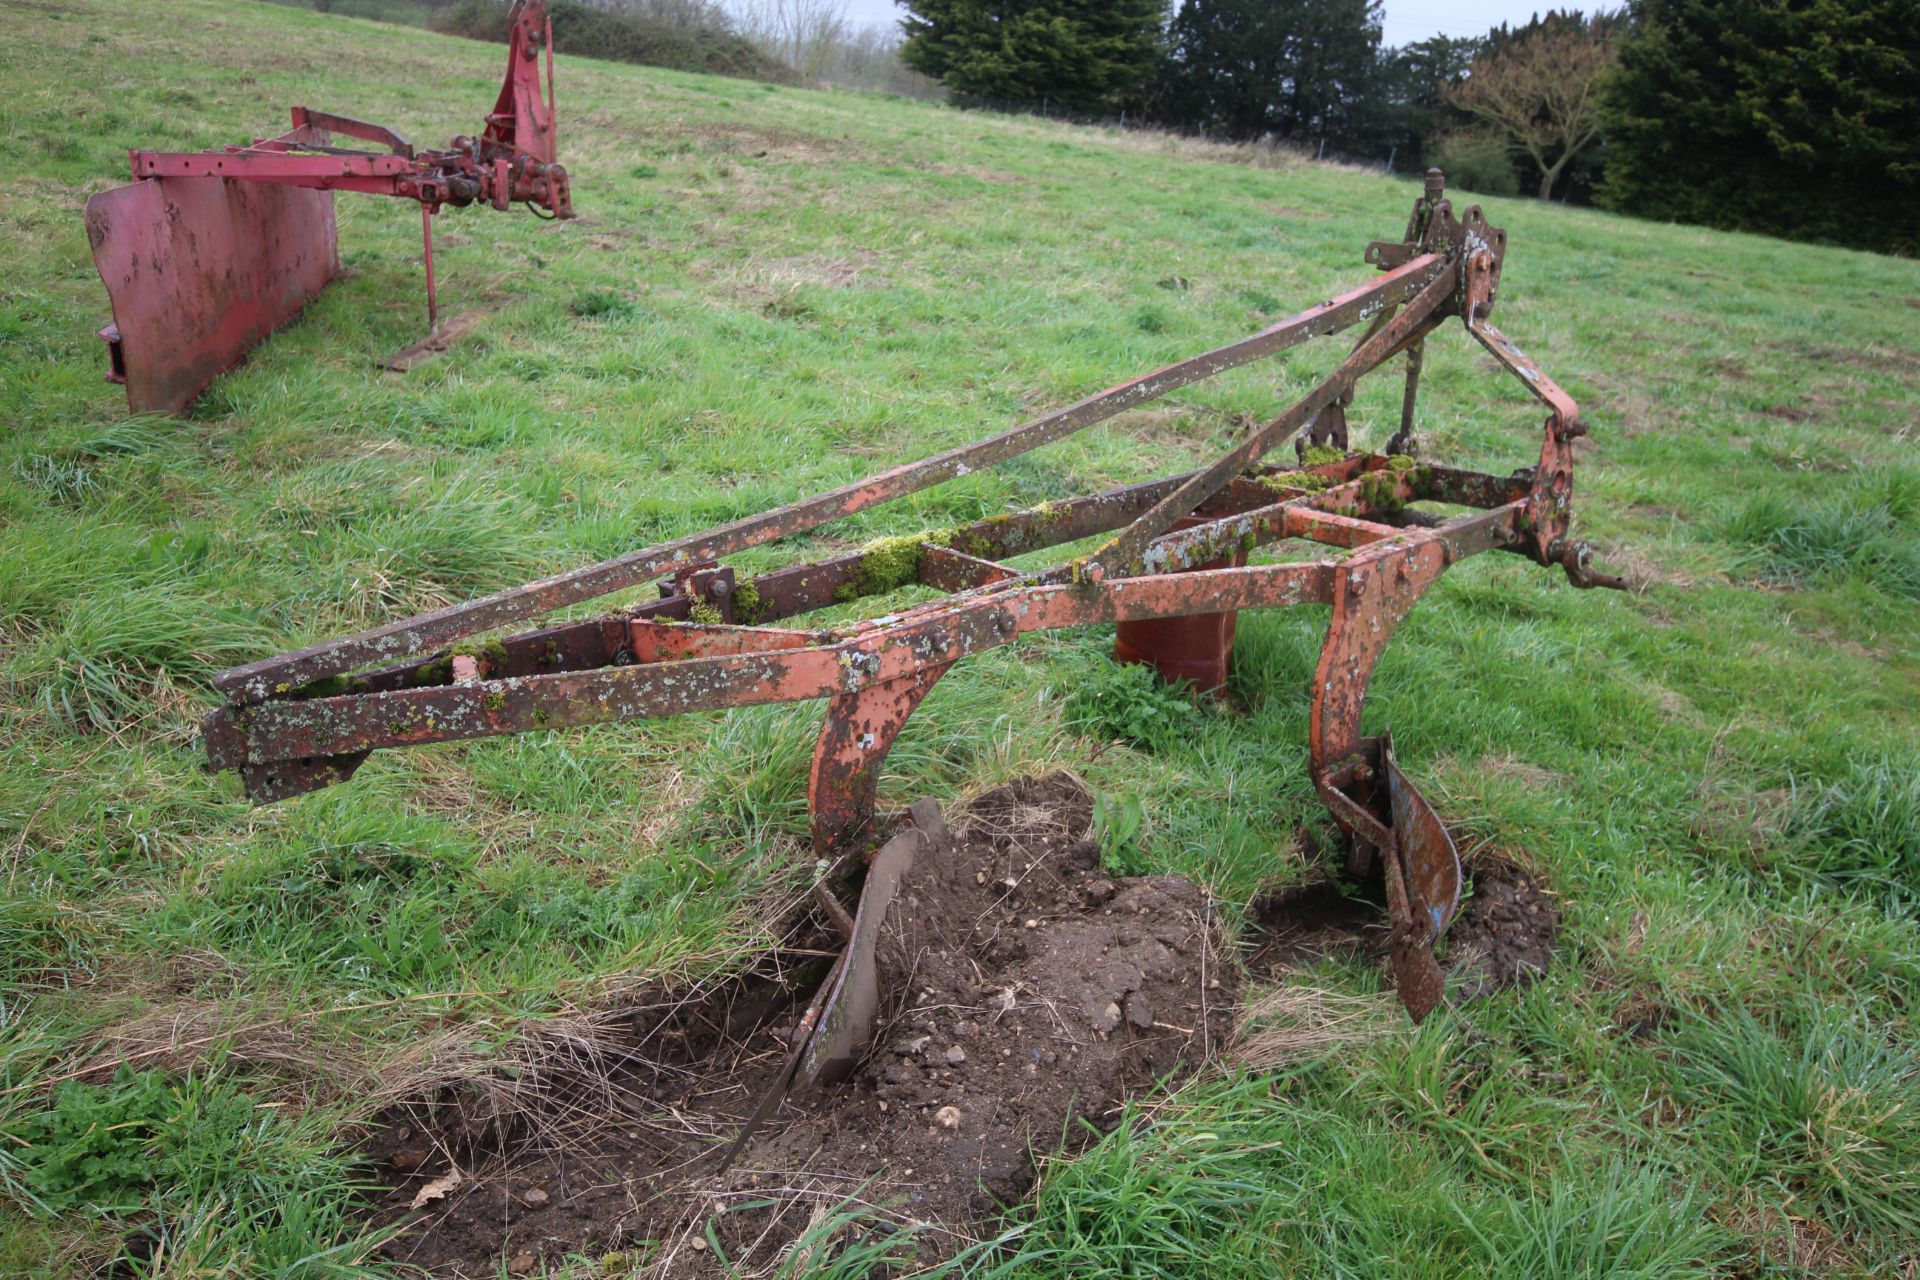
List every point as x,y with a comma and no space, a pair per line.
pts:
1406,20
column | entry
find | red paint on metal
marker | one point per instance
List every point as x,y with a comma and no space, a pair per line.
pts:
854,741
199,270
426,253
1373,592
521,120
1193,650
209,252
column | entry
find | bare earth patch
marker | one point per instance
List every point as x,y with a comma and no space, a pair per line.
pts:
1503,935
1025,995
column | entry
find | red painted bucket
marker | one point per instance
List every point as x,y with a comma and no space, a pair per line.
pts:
1194,649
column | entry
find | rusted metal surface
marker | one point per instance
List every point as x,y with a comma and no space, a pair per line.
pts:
1430,891
1176,548
1431,861
856,737
200,271
852,994
1422,313
833,1030
1193,650
258,681
208,252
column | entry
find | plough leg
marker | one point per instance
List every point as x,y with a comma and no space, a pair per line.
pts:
854,741
1382,814
834,1028
1402,441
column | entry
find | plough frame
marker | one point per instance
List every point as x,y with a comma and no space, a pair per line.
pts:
308,719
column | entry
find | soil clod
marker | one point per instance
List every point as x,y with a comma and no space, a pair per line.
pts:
1505,933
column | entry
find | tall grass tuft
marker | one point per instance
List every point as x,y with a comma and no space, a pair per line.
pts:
1868,531
1612,1222
100,665
1826,1111
1178,1198
1864,830
448,538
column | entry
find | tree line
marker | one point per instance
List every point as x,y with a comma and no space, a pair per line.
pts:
1798,118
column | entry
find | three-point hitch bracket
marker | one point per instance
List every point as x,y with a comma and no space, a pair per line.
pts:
714,640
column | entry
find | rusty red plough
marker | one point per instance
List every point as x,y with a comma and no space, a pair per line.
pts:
205,253
308,719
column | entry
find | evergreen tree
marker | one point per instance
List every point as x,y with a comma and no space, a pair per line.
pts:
1085,56
1308,70
1799,118
1415,81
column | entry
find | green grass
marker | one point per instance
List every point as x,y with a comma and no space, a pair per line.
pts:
771,291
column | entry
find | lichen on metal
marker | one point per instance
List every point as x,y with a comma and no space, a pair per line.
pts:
1174,548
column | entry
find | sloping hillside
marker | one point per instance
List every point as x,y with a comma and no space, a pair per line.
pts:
771,291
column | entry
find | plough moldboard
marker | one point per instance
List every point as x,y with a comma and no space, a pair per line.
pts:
715,639
205,253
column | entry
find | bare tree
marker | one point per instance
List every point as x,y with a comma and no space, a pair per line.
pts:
687,15
1543,93
807,35
869,58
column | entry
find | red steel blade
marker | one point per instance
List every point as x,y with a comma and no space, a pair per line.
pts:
200,270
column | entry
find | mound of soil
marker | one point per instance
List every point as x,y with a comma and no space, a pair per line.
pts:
1025,995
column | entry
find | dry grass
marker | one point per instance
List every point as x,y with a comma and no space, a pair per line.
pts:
1294,1023
1510,767
547,1082
1788,1243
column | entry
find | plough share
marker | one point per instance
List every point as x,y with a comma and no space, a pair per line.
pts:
713,640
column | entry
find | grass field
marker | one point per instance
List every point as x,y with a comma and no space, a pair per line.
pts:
771,291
